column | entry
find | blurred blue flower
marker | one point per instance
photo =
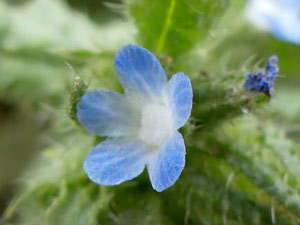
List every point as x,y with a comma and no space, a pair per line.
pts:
142,123
263,82
280,17
271,69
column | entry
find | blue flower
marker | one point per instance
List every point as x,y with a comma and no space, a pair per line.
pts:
263,82
280,17
141,124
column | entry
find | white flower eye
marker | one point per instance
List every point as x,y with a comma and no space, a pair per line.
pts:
156,124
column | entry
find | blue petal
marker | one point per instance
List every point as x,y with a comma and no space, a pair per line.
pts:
167,165
116,160
180,98
139,71
271,69
253,82
107,113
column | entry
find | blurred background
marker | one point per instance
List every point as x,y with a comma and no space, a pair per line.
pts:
31,75
43,43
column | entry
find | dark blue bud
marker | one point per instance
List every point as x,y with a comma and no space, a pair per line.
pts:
263,82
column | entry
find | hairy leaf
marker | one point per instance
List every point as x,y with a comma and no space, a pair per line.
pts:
172,27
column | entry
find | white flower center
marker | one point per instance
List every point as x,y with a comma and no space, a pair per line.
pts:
156,124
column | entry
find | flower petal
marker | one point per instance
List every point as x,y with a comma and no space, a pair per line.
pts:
167,165
271,69
116,160
180,98
107,113
139,71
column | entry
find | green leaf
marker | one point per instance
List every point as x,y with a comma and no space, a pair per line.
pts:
77,204
172,27
252,146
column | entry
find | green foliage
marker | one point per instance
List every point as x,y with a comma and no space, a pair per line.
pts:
229,183
172,27
32,76
78,90
76,204
67,30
